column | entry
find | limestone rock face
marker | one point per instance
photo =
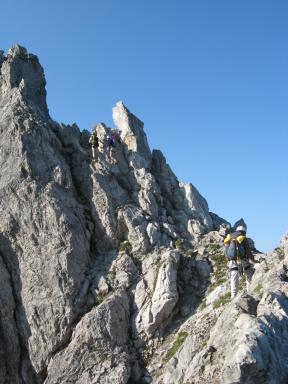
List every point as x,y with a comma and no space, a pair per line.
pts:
10,350
241,341
22,75
104,262
100,343
45,242
133,135
165,295
156,294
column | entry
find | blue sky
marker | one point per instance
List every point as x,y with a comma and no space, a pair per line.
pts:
208,78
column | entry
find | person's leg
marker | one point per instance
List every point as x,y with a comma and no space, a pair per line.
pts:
234,283
234,277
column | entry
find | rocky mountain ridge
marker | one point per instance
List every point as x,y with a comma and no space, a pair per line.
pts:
112,270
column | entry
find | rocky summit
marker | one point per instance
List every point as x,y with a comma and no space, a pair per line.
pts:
112,270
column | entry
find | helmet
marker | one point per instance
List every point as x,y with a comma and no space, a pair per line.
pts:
241,228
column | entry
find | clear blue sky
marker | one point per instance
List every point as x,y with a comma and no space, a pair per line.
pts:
208,78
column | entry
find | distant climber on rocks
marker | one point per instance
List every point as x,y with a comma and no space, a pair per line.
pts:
239,258
112,140
93,140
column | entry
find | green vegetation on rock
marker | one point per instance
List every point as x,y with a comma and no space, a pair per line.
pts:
190,253
181,337
218,260
222,300
125,246
280,251
219,263
99,299
242,283
258,289
213,247
178,243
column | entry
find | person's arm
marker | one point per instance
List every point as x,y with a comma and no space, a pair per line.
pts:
227,239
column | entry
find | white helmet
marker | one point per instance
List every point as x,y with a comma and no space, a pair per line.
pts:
241,228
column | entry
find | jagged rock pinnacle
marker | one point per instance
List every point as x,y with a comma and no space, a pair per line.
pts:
133,135
22,73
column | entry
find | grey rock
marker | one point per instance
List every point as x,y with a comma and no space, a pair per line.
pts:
218,222
196,205
93,290
125,272
165,295
182,201
217,293
100,342
248,349
133,135
22,72
153,232
10,349
133,226
170,230
155,310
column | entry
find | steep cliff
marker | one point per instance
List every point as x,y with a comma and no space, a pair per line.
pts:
101,262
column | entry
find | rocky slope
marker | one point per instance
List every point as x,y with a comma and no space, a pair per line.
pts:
112,270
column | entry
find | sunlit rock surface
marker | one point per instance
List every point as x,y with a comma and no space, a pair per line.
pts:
112,270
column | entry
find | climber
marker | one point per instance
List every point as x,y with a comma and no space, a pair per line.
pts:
239,258
93,140
112,140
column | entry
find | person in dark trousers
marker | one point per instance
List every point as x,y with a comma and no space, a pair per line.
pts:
112,140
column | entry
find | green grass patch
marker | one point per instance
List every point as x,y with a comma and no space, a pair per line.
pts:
212,248
222,300
258,289
99,299
125,246
219,276
202,305
190,253
181,337
178,243
221,280
219,260
280,252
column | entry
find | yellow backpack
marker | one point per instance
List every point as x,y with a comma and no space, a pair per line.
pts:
234,246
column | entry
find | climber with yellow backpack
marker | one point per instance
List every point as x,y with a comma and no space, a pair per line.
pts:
239,258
